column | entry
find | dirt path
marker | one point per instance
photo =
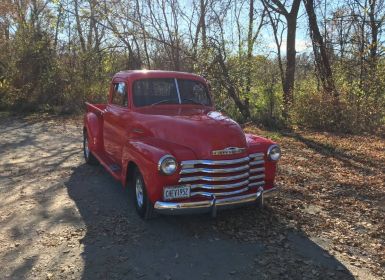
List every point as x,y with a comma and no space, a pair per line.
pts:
62,219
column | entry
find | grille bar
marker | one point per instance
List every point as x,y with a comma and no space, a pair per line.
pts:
254,170
214,179
215,162
257,184
257,177
252,163
219,187
256,155
214,170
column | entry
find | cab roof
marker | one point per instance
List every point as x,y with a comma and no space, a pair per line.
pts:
143,74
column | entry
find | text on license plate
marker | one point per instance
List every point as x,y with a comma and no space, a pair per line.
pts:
176,192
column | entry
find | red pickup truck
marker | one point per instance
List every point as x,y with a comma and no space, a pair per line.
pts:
160,131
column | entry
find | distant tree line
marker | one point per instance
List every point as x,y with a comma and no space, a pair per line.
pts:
56,54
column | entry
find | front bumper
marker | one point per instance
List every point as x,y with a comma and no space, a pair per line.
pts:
210,206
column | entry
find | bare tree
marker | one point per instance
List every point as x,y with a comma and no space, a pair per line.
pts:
251,39
321,57
291,22
275,21
238,82
376,14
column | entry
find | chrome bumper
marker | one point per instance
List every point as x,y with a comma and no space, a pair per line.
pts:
210,206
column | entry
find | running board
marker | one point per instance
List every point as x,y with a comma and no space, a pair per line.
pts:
112,167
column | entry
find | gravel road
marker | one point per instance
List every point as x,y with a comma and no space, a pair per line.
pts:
63,219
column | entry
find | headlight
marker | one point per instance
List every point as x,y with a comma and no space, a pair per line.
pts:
274,152
167,165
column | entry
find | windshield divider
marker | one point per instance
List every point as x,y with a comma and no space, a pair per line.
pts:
177,90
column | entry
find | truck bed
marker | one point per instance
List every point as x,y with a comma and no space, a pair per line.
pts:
95,108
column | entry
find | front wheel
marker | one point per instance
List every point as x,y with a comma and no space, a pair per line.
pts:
143,205
88,156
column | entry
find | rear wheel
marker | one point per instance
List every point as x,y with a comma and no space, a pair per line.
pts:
88,156
143,205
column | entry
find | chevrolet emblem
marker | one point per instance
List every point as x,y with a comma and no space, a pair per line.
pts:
228,151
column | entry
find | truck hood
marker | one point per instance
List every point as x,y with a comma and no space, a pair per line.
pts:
200,130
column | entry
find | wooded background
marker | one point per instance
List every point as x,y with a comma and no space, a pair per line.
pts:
56,54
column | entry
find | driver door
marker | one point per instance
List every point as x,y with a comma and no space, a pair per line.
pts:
114,121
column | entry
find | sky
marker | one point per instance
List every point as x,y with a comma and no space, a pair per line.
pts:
266,44
303,43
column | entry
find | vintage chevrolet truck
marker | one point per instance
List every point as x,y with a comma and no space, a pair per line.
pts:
160,133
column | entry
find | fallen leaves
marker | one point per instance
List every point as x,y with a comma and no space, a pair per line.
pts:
338,184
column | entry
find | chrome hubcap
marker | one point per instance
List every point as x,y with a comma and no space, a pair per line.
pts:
86,149
139,192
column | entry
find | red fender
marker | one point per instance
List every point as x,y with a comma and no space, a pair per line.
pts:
257,143
146,156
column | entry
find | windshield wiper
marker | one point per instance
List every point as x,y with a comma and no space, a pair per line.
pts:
193,101
163,101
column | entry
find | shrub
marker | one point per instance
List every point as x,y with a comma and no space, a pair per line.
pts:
351,113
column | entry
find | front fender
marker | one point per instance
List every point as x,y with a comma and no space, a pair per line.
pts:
146,153
258,144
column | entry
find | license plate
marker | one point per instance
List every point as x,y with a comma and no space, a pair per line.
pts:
170,193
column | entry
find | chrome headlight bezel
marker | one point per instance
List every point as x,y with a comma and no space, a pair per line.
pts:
274,152
162,165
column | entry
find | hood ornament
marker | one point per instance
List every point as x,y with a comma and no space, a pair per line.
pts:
228,151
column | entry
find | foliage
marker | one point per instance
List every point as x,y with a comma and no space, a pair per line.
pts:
55,57
350,115
32,79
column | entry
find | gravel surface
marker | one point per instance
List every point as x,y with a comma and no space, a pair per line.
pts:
63,219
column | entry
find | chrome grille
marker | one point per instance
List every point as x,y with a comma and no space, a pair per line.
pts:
223,177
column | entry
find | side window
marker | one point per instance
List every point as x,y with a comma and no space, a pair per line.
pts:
119,94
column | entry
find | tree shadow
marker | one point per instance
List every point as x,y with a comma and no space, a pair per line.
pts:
238,244
365,165
361,164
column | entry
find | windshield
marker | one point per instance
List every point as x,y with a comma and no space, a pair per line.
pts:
164,91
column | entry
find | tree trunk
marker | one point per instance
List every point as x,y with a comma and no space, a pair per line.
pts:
250,45
278,43
288,85
320,53
144,34
79,26
202,23
60,13
374,35
291,20
231,91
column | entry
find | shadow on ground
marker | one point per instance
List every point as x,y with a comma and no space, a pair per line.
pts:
119,245
361,164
